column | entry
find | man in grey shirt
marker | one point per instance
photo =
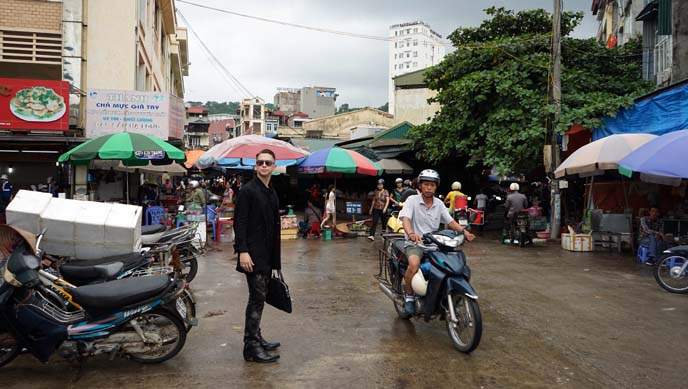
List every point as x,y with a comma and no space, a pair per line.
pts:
421,214
515,201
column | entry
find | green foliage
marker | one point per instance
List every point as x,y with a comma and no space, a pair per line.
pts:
493,89
229,107
344,108
270,106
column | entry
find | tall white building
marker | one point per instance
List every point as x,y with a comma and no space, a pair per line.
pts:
413,46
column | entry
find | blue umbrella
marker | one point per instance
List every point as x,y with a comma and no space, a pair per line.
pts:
662,160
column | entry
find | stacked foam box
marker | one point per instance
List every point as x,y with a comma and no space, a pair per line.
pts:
75,228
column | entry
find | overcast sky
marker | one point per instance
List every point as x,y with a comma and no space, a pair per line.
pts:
264,56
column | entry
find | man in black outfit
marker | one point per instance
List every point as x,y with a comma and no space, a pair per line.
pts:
257,242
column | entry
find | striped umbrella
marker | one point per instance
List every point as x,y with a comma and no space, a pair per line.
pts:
130,148
339,160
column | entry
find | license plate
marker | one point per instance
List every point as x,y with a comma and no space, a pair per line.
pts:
181,307
463,222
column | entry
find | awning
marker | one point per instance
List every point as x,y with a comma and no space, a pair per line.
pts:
395,166
192,156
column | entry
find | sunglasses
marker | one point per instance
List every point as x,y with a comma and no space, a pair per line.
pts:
264,162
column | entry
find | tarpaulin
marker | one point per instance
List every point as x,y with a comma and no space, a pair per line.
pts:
658,115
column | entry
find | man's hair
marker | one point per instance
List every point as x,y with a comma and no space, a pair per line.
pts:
267,151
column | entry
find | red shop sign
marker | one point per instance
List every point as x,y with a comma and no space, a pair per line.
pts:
34,104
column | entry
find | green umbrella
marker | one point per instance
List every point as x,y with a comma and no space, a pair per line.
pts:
130,148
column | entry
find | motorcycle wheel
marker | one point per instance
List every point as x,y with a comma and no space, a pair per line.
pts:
399,302
190,267
172,331
9,347
668,273
190,306
466,334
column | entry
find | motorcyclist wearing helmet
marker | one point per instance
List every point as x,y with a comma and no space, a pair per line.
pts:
422,214
397,191
410,190
378,208
515,201
451,196
196,197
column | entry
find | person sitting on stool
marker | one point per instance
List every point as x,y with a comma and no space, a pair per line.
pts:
651,235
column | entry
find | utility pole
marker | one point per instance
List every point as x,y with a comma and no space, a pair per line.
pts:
556,99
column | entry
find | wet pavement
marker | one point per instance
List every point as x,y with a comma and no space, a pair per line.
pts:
551,319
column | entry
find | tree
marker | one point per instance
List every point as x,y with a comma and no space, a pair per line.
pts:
384,108
493,89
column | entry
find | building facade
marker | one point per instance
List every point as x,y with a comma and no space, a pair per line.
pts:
288,100
617,20
196,128
127,46
339,126
318,101
252,114
411,96
413,46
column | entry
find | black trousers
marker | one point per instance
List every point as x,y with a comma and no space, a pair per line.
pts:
378,215
257,291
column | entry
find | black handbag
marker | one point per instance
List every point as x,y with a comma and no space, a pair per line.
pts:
278,292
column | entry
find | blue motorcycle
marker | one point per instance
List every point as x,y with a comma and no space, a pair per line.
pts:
441,286
140,318
671,270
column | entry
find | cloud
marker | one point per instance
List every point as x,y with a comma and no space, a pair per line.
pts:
264,56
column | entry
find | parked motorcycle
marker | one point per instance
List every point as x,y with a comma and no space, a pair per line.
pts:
441,285
671,270
158,237
139,318
394,224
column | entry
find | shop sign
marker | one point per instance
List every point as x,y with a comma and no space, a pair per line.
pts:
150,113
34,104
149,154
354,208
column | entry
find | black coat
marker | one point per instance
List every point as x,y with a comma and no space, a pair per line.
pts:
257,226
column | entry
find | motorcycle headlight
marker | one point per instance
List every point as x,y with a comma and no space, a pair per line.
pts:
449,242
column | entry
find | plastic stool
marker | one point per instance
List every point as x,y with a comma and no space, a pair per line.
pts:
218,230
643,254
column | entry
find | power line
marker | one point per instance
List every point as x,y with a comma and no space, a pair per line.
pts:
303,26
223,70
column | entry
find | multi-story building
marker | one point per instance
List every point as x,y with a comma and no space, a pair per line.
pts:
220,130
288,100
77,46
196,128
413,46
252,114
318,101
411,95
617,20
665,41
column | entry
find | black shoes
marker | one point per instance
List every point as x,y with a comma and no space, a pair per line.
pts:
267,346
256,353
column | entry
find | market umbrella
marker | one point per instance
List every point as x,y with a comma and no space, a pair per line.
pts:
339,160
130,148
173,169
602,154
662,160
395,166
243,150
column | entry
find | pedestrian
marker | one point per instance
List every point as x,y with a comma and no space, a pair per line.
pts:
397,192
330,206
6,195
257,243
378,208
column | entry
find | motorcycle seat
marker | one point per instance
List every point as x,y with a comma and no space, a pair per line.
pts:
171,235
77,273
152,229
118,294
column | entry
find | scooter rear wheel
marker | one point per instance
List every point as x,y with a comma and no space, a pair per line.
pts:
172,332
9,347
668,273
465,334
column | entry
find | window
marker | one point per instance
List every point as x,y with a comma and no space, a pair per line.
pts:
408,55
396,33
415,53
395,45
408,30
415,42
415,30
407,65
395,56
408,44
415,64
395,67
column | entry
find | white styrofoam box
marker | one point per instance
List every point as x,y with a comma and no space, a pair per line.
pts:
90,229
59,220
123,228
577,242
25,210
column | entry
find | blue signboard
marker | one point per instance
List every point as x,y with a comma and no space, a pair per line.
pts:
354,208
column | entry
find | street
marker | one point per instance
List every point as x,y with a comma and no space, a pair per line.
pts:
551,319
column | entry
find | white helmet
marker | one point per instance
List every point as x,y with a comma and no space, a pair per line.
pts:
419,284
398,180
194,184
4,177
429,175
514,187
456,185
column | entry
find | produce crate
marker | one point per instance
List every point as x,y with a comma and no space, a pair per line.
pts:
290,234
